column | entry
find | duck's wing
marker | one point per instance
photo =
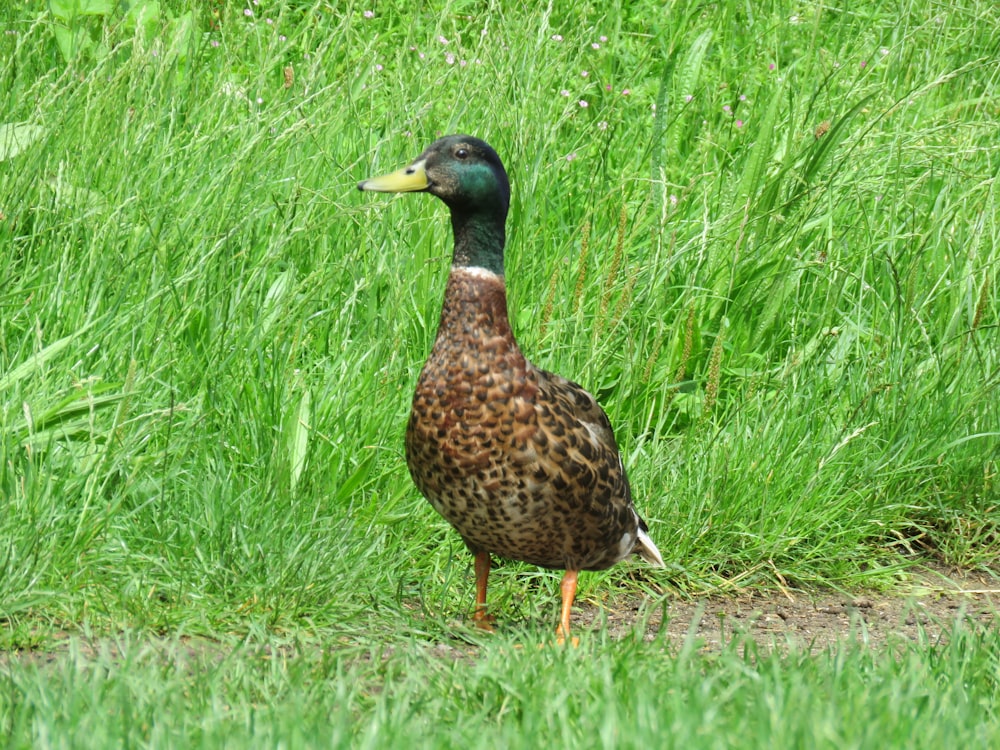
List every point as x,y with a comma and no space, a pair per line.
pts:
566,406
582,435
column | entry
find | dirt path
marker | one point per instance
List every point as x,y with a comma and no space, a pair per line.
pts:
938,600
806,620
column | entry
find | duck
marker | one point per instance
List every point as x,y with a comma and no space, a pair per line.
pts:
521,462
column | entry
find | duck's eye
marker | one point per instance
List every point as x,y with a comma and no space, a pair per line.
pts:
462,153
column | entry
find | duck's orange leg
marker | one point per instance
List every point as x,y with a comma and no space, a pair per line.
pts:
568,589
479,617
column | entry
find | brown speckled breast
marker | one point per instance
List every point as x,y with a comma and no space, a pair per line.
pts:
523,463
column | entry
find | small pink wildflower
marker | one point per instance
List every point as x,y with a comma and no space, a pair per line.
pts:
214,42
247,12
564,92
864,64
450,58
595,45
583,103
571,157
688,97
443,40
557,37
771,66
602,125
607,87
739,123
602,38
584,74
626,92
727,109
369,14
378,67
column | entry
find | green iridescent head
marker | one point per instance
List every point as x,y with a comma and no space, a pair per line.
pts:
467,174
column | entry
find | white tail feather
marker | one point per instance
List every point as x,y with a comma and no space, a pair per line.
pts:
645,549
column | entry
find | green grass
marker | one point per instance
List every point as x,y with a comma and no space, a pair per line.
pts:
612,694
782,287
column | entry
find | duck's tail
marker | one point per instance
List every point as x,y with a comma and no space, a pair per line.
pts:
645,548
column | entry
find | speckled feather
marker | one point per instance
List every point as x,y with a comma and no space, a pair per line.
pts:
523,463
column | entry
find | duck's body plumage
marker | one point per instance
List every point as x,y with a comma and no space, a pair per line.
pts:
521,462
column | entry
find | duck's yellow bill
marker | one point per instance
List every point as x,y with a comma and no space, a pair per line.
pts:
406,180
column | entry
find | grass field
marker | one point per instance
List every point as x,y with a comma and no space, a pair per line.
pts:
765,235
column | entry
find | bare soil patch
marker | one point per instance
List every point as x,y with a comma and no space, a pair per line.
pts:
939,600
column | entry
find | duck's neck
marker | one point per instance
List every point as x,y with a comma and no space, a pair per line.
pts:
479,240
475,309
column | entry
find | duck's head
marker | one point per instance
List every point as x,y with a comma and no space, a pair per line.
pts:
466,174
463,171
